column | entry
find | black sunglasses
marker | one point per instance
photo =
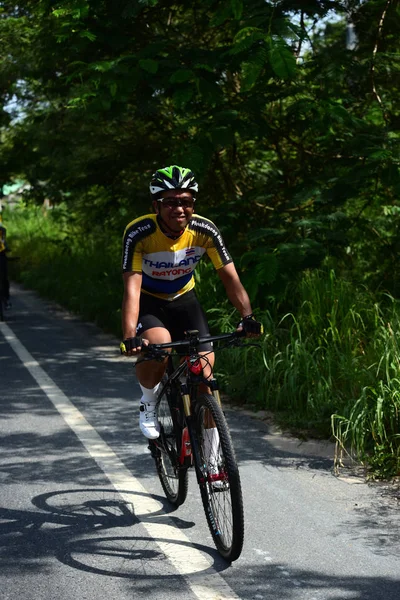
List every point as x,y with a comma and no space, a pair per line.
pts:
175,202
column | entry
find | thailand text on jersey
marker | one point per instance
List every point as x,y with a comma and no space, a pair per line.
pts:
166,264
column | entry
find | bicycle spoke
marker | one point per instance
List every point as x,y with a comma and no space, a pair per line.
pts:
173,478
220,487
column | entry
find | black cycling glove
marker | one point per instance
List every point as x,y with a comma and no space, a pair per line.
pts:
130,344
251,325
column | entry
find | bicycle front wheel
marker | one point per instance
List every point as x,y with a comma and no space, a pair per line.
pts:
173,476
220,486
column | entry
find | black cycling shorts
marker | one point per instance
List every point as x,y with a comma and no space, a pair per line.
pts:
177,316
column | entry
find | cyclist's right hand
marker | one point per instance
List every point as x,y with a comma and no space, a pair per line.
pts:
132,346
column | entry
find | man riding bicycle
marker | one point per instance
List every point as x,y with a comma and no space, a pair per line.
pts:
160,253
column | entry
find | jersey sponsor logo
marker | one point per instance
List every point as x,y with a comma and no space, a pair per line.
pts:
139,229
130,238
171,272
204,226
185,262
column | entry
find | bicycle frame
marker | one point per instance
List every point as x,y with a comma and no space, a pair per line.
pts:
191,370
194,432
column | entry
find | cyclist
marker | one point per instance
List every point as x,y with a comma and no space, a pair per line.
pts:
4,283
160,253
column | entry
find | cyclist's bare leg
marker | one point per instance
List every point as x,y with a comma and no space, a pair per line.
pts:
150,372
208,365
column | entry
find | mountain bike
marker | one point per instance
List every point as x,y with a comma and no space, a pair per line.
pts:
194,433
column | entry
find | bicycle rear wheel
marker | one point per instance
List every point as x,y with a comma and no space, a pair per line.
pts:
173,476
220,486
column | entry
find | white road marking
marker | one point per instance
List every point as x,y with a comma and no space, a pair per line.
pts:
202,579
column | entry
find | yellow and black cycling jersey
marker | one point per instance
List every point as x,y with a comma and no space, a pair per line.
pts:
167,264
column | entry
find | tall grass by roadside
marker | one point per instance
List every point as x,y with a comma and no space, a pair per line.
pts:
329,365
83,274
371,425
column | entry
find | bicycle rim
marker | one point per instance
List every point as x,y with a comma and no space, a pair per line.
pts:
173,478
220,487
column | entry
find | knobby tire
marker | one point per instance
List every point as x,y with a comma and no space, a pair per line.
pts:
223,505
173,477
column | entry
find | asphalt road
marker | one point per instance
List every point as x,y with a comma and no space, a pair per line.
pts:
82,514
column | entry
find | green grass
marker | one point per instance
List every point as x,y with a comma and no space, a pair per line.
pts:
80,273
328,366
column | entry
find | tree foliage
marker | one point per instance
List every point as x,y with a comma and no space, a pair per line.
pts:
294,137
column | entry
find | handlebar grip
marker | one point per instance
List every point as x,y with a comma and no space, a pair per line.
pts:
240,333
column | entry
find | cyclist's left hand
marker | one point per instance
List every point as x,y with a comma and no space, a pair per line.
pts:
251,326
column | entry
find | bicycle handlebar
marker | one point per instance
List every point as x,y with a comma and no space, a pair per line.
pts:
193,341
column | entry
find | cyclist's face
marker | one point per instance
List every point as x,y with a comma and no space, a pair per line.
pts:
175,208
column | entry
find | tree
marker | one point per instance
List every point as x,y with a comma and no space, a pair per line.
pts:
293,137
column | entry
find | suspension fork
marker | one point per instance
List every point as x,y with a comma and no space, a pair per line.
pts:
190,419
213,383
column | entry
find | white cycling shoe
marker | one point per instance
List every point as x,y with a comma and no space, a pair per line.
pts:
148,421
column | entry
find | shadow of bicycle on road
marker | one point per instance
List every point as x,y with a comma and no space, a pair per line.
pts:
67,524
95,531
